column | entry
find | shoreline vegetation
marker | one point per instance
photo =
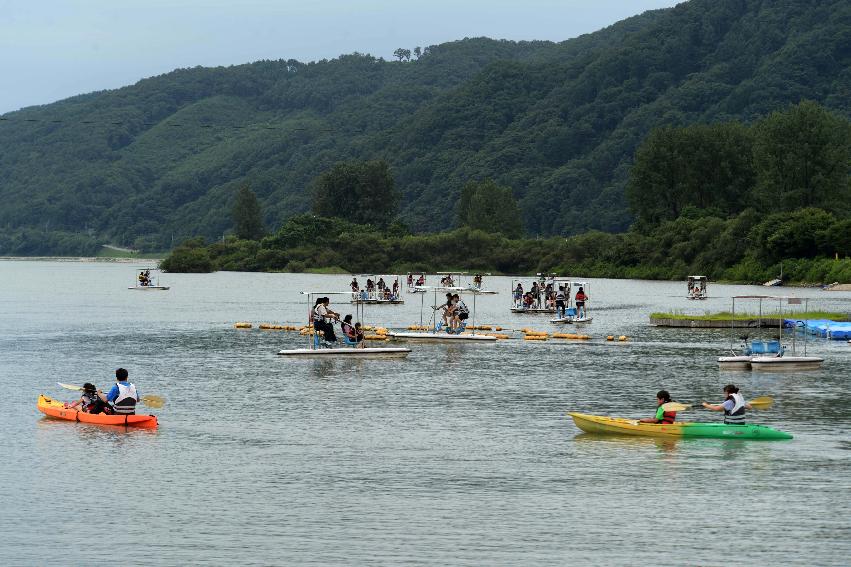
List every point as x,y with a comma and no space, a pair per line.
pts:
731,201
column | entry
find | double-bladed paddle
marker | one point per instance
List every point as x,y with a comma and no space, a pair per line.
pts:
760,403
149,400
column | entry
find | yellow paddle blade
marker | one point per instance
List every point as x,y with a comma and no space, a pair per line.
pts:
70,386
675,406
762,402
153,401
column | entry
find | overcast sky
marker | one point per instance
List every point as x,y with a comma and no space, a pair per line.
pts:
53,49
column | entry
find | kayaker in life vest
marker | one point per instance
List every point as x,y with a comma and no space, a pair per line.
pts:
733,406
662,416
123,395
91,400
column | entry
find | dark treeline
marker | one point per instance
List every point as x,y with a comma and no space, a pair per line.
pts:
730,201
558,124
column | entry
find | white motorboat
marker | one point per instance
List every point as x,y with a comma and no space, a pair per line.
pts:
369,352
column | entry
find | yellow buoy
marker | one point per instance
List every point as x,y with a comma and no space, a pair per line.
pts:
622,338
375,337
610,338
243,325
535,338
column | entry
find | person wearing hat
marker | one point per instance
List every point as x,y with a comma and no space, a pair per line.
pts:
91,400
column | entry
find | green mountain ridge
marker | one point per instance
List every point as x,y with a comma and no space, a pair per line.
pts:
160,161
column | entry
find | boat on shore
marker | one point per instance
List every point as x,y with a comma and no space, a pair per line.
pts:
621,426
57,410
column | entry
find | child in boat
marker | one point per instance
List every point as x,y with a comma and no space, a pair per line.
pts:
662,416
352,333
733,406
91,401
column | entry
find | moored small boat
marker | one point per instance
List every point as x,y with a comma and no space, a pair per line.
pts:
620,426
772,363
57,410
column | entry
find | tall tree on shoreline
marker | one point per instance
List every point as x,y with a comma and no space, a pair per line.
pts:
247,216
486,206
359,192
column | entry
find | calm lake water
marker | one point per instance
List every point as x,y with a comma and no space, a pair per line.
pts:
461,454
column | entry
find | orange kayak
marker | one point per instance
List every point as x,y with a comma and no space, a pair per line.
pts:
53,408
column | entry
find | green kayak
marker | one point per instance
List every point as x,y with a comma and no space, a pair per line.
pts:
621,426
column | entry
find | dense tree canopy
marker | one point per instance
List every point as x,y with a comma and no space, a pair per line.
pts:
796,158
360,192
558,123
486,206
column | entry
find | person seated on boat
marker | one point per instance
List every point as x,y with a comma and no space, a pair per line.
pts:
421,280
460,314
662,416
387,294
560,304
447,312
91,400
352,335
123,396
733,406
322,315
579,300
528,301
355,285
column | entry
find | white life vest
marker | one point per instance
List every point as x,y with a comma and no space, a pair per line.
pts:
125,403
735,416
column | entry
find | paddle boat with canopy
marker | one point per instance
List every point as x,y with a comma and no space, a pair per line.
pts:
541,303
438,333
415,282
144,281
697,287
316,348
576,313
770,354
376,295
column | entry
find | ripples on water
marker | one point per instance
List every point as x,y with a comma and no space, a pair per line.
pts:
461,454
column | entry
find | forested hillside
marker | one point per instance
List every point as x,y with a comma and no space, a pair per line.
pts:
160,161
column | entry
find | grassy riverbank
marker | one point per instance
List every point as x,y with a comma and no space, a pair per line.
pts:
727,316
